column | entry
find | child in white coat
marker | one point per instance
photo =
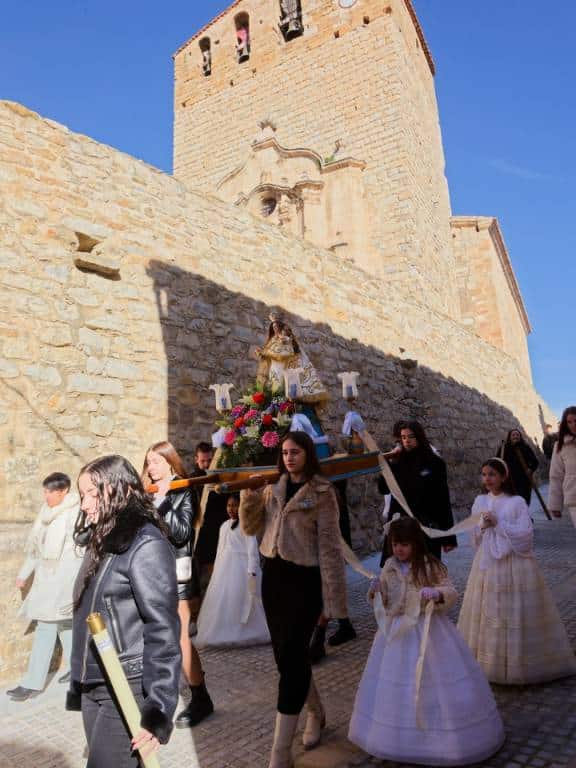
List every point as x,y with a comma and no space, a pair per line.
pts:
232,612
422,698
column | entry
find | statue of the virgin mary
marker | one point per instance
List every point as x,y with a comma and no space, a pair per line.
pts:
282,352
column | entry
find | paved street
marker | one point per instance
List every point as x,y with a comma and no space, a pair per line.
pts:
540,720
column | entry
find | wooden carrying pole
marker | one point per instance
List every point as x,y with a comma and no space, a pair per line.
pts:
118,681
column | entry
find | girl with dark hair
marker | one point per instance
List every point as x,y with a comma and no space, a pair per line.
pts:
508,616
421,475
232,613
521,462
446,716
128,575
303,572
178,510
563,468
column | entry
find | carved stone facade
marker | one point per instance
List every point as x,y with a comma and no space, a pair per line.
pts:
307,196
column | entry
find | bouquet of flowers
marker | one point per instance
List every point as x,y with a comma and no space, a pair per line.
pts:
254,427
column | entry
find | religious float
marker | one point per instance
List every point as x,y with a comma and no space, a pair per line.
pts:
287,395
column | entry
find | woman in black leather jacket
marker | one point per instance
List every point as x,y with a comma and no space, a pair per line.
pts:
127,575
177,508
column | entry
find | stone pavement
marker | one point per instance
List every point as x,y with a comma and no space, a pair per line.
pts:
540,720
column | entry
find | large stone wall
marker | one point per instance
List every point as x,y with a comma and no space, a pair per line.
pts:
360,76
123,295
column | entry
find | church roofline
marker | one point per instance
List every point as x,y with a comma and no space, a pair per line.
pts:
491,224
408,3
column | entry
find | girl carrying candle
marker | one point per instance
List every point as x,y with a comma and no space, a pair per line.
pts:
422,698
508,617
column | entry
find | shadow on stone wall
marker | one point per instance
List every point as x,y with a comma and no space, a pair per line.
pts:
209,335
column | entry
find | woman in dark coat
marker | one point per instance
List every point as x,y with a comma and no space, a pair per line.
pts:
178,510
521,461
421,475
127,575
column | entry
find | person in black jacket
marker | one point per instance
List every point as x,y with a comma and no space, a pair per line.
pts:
421,475
128,575
215,515
549,441
178,509
521,461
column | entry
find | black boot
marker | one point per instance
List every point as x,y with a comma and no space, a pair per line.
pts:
317,648
343,634
199,708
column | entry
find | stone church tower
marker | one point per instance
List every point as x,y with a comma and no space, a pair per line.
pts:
349,152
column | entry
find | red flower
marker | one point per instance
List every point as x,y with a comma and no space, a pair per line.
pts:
239,422
267,419
258,398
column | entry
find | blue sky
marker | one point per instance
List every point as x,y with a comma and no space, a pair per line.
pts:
507,101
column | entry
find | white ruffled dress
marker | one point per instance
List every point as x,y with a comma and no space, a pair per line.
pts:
509,617
454,719
232,612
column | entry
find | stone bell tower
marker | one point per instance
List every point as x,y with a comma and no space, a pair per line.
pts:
354,162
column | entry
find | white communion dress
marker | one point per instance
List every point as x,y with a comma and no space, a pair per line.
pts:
508,617
232,612
449,717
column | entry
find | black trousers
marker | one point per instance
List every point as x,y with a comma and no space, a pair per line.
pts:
292,598
106,732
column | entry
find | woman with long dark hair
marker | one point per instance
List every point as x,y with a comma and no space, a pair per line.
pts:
178,509
303,573
563,467
129,576
521,462
421,474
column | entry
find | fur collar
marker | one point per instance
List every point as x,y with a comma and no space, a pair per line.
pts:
120,538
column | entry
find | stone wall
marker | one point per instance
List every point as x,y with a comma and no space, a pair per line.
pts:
360,76
123,295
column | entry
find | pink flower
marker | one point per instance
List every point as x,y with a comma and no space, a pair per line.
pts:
270,439
230,437
251,414
238,410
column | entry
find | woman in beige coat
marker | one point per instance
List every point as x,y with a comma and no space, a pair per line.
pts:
563,467
303,574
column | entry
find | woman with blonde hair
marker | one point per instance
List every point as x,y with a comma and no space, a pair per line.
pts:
178,510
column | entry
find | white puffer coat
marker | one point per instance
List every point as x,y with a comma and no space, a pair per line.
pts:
563,476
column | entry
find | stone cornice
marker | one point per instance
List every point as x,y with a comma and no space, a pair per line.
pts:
490,223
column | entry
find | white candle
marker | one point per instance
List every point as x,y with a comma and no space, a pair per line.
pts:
349,381
222,396
292,385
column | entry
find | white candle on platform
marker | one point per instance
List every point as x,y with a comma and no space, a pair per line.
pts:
292,385
222,396
349,381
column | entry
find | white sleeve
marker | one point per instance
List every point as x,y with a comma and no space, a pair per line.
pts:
253,554
557,472
477,507
514,533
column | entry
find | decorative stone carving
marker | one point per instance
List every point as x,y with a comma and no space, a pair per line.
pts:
319,200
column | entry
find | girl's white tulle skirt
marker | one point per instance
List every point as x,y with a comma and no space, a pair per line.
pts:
461,723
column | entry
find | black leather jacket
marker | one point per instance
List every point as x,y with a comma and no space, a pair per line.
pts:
135,590
178,510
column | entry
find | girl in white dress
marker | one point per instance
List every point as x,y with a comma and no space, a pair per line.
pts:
508,617
422,697
232,612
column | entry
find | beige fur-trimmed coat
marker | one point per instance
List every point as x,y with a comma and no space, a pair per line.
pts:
304,531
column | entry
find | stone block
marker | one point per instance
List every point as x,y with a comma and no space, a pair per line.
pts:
101,425
44,374
90,340
94,385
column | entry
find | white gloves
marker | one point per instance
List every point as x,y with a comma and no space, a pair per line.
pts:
252,584
429,593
